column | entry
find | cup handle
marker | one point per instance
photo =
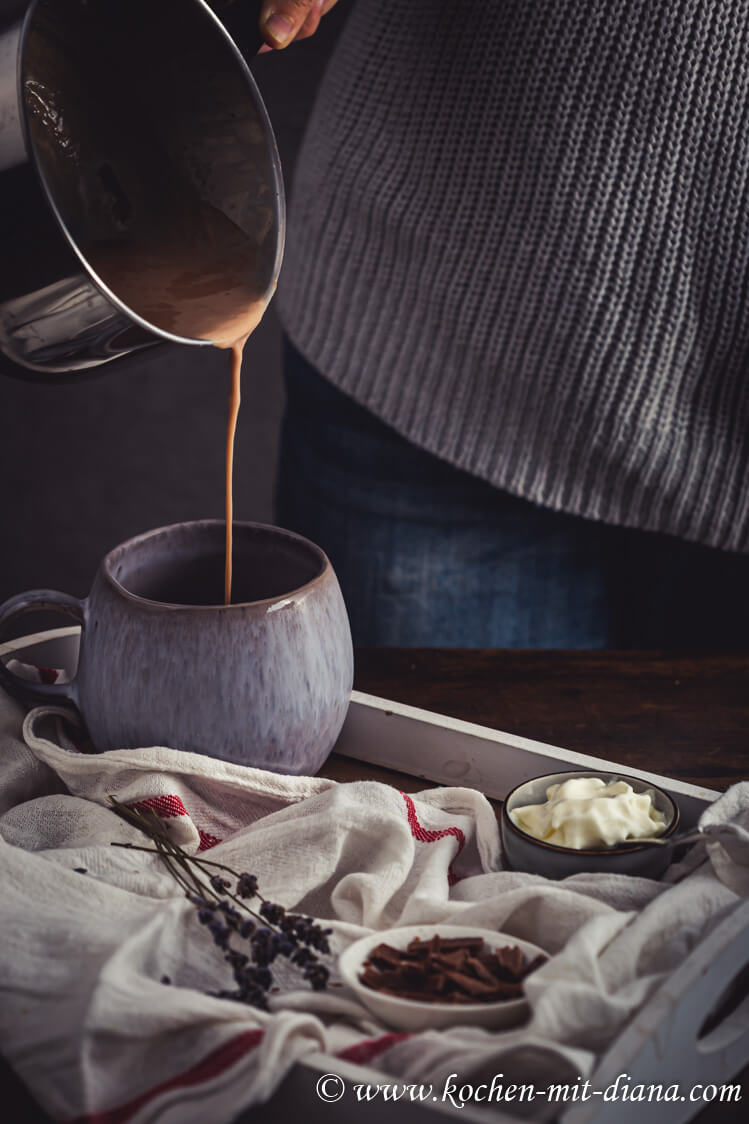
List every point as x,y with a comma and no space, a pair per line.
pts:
34,600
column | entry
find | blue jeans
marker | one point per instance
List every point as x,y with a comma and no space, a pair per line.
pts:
430,556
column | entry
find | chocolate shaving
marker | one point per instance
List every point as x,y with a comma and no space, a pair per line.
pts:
448,970
480,970
442,944
386,954
510,962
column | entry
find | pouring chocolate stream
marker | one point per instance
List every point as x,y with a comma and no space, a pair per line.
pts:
197,282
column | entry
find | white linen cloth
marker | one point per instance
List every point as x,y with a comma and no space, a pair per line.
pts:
90,1028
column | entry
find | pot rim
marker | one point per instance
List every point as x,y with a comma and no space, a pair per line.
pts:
90,273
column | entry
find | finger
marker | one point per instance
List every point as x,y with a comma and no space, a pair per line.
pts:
312,22
325,6
280,20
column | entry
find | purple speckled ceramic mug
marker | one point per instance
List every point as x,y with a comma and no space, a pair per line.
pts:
264,681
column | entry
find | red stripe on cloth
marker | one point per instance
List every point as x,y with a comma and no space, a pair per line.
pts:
216,1063
47,674
164,806
170,806
427,835
207,840
362,1052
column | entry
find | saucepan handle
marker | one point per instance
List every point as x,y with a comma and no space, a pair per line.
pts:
241,18
33,601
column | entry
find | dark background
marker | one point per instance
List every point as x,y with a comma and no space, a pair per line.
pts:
85,465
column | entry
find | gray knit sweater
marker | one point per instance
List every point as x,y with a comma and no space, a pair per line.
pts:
519,234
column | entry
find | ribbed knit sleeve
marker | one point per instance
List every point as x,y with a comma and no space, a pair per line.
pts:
519,234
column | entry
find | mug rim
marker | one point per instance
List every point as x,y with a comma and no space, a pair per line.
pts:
105,567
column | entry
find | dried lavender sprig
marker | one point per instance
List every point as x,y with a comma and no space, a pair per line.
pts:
147,820
193,886
247,886
152,825
199,889
294,925
290,935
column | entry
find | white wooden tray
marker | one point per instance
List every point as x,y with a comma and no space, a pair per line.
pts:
663,1045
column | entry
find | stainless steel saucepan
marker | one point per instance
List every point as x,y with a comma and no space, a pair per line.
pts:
110,109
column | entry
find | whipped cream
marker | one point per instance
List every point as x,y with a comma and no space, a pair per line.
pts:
586,812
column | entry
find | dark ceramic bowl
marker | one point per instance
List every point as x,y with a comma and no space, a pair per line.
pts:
524,852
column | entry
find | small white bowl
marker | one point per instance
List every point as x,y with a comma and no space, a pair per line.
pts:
409,1014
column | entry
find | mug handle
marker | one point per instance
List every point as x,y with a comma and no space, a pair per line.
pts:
33,600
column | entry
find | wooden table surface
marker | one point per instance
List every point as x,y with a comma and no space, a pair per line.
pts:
682,716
